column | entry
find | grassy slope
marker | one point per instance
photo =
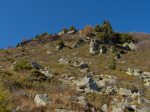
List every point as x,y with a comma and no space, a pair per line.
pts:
98,65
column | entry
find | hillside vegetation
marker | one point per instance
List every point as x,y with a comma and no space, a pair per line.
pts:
91,70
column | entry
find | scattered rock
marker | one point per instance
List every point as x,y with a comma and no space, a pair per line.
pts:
46,72
143,101
132,46
82,100
63,61
41,99
107,82
138,73
111,90
87,84
49,52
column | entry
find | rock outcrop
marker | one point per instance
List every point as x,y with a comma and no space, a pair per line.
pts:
94,46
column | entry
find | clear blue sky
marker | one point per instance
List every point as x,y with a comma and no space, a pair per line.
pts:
25,18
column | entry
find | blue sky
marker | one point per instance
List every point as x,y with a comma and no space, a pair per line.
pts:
25,18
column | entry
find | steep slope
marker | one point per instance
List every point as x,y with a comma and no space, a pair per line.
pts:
56,73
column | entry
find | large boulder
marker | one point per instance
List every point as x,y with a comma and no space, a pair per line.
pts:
41,99
94,46
132,46
104,108
41,69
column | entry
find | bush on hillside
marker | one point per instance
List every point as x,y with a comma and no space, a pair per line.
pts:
98,100
22,65
4,106
125,38
87,31
112,65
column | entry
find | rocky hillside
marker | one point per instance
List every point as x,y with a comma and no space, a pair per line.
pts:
89,70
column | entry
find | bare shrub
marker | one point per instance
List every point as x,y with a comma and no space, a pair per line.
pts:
87,30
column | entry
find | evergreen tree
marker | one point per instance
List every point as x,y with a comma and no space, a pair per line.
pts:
65,30
72,28
107,30
97,28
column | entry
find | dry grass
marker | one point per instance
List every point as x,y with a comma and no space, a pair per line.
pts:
98,100
143,45
58,91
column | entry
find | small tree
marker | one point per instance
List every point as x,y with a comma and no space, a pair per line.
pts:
44,34
97,28
22,65
106,27
101,36
107,30
72,28
65,30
